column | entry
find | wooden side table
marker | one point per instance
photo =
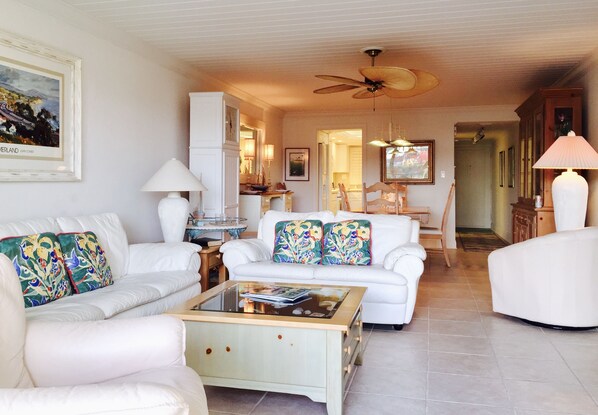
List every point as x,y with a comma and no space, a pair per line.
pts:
211,258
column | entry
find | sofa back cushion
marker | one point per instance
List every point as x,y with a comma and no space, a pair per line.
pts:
111,236
13,373
85,261
38,261
29,227
388,231
267,226
298,241
347,243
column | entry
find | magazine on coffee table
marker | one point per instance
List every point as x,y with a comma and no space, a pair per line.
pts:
276,293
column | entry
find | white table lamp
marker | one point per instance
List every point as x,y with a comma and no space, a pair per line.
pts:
569,189
173,177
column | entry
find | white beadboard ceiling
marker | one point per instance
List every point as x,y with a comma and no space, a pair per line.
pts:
485,52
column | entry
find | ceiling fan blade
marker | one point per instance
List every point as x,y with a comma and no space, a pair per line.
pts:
390,76
334,88
342,80
364,94
425,82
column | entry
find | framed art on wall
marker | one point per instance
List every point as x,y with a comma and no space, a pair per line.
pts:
296,164
40,112
501,168
413,164
511,166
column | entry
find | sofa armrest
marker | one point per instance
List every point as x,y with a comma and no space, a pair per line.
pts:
243,251
73,353
110,399
408,261
172,256
410,248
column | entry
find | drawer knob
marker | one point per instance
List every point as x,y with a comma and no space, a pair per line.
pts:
348,369
347,350
208,351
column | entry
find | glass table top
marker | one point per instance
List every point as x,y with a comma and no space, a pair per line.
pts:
321,302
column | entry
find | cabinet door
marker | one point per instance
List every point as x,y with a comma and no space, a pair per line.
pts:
230,189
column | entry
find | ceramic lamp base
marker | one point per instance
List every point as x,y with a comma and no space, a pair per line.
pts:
570,199
173,211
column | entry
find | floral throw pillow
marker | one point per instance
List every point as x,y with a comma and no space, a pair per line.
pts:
298,241
347,243
85,261
38,261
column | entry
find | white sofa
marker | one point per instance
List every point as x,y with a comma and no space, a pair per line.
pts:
391,280
551,279
149,278
120,367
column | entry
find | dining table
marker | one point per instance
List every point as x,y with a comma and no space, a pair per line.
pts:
421,213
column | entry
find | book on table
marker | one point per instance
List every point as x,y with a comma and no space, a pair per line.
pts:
276,293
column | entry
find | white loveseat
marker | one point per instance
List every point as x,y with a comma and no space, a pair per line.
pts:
552,279
118,367
391,280
149,278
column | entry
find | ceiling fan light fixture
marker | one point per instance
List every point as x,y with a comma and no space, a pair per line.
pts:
392,81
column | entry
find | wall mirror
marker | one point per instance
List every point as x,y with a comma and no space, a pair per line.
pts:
251,153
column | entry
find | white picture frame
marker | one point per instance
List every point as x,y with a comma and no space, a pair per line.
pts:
40,112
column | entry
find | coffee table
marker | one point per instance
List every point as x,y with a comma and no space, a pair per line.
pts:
307,348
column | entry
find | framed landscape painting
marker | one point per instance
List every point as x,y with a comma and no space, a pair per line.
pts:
296,164
413,164
40,112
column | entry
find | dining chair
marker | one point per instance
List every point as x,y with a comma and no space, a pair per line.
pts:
344,197
387,202
430,233
402,189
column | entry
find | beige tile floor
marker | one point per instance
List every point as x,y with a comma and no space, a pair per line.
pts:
455,357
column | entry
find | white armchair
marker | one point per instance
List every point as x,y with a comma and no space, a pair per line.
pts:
127,366
551,279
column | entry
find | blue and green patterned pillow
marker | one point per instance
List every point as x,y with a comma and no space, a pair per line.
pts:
85,261
38,261
298,241
347,243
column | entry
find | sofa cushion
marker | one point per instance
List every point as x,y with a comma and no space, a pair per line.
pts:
388,231
29,227
298,241
38,261
269,269
347,242
85,261
350,275
267,225
110,233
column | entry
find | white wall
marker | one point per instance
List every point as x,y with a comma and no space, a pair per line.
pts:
420,124
503,197
135,116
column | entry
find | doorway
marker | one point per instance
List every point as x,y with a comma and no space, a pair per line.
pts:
339,161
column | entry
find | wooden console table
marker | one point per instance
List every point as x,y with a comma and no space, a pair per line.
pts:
211,258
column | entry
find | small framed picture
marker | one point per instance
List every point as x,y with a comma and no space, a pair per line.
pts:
296,164
511,164
501,169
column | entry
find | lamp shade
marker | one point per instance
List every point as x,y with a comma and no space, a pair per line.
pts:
269,152
569,152
173,176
